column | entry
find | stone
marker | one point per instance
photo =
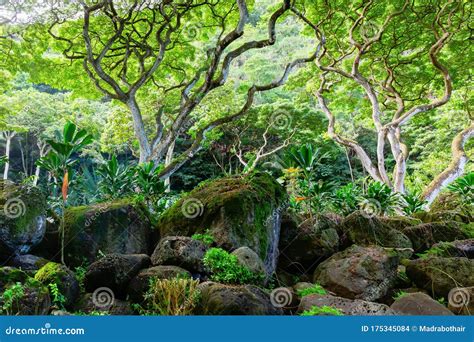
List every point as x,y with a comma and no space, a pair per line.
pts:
111,227
27,262
220,299
114,272
237,211
141,282
305,245
63,277
180,251
419,304
439,275
425,235
248,258
22,218
113,306
458,248
358,273
348,307
461,300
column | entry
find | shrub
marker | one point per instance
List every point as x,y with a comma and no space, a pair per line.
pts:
412,203
206,238
171,297
57,297
322,311
464,187
315,289
11,297
225,268
379,194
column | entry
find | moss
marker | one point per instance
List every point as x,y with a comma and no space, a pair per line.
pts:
51,273
10,275
234,198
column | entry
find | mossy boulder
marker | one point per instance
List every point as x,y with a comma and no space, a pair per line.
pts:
22,218
63,278
89,305
220,299
115,271
348,307
34,299
419,304
439,275
363,230
304,245
237,211
359,272
28,262
458,248
425,235
111,227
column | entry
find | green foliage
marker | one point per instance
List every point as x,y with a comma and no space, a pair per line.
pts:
206,237
148,181
380,195
11,296
399,294
115,179
315,289
412,204
346,198
170,297
322,311
57,297
464,186
225,268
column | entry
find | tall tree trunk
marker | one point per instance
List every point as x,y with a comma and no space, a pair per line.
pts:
43,149
455,168
139,128
8,136
168,160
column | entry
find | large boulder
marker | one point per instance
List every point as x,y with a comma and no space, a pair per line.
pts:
27,262
237,212
220,299
349,307
180,251
63,278
248,258
365,230
458,248
114,272
425,235
359,272
419,304
22,218
303,246
140,284
88,305
113,227
31,296
439,275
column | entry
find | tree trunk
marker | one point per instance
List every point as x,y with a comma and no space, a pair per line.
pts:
139,128
455,168
168,160
43,149
8,139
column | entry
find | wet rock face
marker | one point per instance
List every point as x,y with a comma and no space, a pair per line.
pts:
237,212
303,246
219,299
419,304
115,271
358,273
439,275
112,227
180,251
22,218
346,306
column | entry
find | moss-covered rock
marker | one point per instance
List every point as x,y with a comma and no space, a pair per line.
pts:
419,304
439,275
425,235
347,307
238,211
63,278
366,231
304,245
111,227
22,220
358,272
32,296
458,248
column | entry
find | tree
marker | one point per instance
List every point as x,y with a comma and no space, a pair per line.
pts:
132,45
389,55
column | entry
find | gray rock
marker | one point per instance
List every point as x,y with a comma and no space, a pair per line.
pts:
248,258
347,307
419,304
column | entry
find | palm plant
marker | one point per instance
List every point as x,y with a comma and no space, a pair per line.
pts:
464,186
412,203
380,195
115,179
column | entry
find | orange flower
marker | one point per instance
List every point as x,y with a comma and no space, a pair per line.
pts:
65,186
299,199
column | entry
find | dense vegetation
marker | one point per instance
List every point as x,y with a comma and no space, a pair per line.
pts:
137,109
